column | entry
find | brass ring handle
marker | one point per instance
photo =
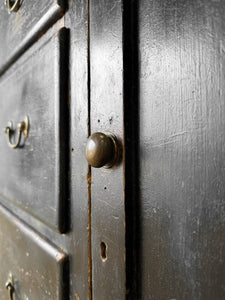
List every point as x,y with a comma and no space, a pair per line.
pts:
12,5
9,286
22,128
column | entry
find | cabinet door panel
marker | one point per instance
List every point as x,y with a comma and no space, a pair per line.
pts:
34,175
39,269
182,148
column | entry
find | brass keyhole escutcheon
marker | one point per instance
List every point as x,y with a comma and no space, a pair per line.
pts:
10,286
101,150
23,127
12,5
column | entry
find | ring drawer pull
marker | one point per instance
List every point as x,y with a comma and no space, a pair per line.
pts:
22,128
10,286
12,5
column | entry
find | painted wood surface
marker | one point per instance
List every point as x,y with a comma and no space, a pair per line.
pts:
39,268
182,165
106,115
25,26
34,176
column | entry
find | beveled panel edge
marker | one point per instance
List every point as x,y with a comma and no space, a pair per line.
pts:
58,254
62,220
54,13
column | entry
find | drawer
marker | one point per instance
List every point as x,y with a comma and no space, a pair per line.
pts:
34,176
39,269
22,28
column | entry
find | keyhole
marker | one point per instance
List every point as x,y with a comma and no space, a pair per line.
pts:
103,249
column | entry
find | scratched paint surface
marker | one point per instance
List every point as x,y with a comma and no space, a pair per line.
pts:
37,266
106,115
17,25
34,173
182,171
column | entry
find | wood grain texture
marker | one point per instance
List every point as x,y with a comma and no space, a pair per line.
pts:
182,151
35,175
39,268
106,115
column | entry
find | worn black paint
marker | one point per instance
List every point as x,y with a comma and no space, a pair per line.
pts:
24,27
39,268
106,115
35,175
182,169
76,20
170,55
75,241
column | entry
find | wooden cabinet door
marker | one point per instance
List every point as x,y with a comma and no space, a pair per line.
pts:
106,115
181,213
150,73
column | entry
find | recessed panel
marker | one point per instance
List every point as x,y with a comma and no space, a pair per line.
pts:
34,175
38,269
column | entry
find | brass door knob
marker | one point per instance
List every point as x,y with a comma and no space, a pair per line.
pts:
101,150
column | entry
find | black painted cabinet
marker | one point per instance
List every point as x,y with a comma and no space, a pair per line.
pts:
181,137
150,74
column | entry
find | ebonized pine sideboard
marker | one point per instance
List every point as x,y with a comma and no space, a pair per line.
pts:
112,149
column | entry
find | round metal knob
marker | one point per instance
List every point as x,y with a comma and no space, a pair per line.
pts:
101,150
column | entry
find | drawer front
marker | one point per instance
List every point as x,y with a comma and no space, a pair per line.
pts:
25,26
39,269
34,175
